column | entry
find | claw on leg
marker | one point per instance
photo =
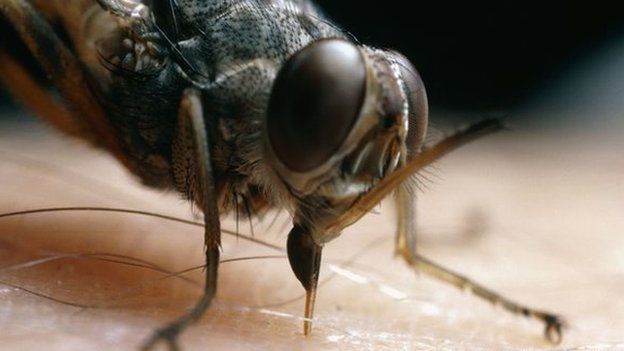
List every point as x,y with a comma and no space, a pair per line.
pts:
553,332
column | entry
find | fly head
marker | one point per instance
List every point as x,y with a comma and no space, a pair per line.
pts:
341,117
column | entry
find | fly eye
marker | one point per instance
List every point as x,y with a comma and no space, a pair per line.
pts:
417,104
315,101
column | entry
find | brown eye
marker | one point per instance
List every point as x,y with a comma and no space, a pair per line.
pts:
417,103
316,99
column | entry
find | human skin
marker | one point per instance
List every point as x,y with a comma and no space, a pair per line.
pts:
534,216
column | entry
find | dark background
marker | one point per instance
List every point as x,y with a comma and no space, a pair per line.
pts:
484,55
481,56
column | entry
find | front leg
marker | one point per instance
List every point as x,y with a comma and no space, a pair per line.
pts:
553,324
192,172
406,248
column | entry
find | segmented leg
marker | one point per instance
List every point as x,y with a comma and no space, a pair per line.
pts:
553,323
193,173
406,247
65,72
406,220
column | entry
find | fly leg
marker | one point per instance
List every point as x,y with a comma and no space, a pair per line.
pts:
405,200
406,236
87,118
192,172
553,323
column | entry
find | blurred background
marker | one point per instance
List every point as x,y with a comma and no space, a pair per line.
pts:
487,56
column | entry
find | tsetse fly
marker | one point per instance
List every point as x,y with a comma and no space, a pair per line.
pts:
242,105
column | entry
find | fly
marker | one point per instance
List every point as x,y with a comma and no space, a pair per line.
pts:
242,105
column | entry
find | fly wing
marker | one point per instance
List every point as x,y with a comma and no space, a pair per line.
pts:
83,115
68,12
82,22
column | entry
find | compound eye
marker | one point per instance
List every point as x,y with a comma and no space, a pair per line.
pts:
316,99
417,104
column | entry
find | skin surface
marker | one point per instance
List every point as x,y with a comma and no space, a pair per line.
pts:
537,216
534,216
